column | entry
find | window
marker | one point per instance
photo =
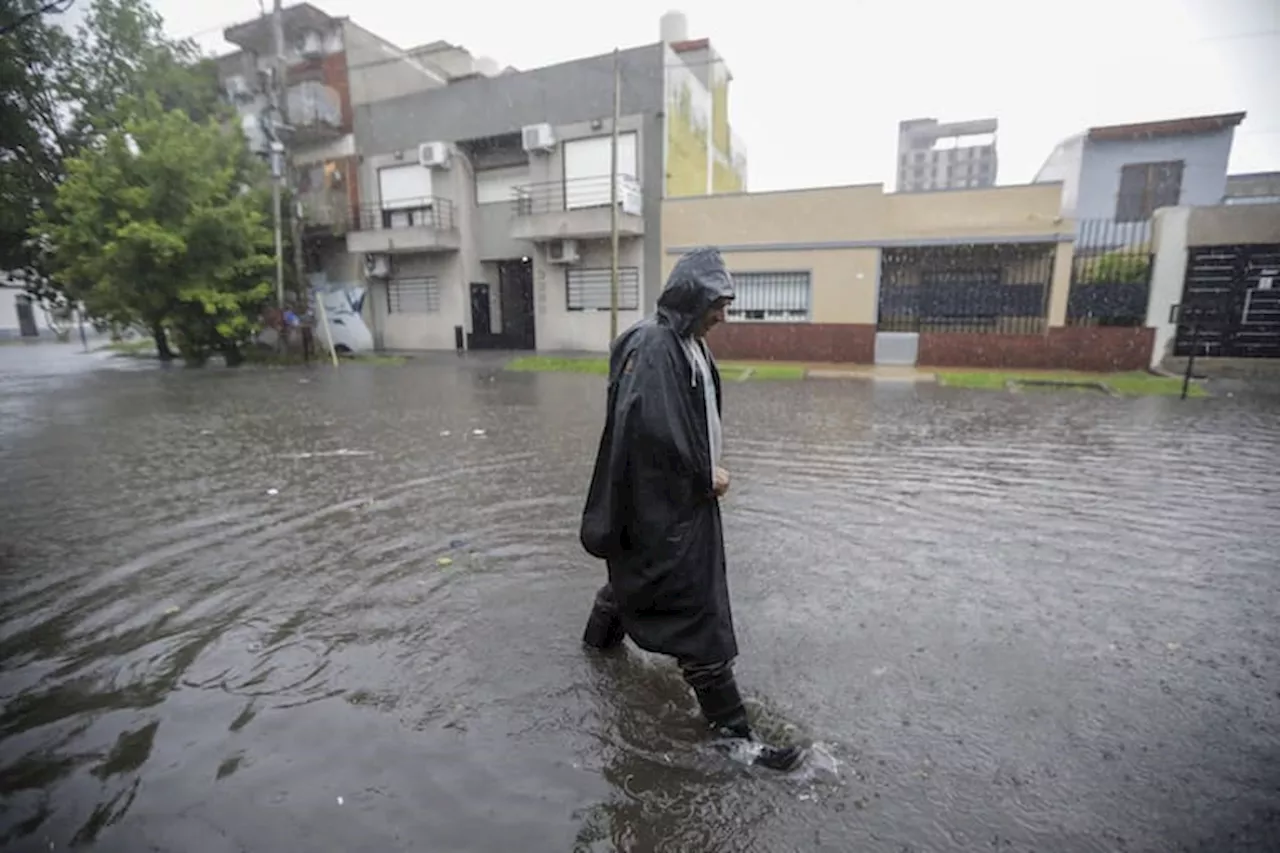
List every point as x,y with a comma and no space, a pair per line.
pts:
498,186
770,297
402,187
1144,187
589,289
413,295
586,168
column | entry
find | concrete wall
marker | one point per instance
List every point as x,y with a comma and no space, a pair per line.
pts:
400,331
861,217
1232,225
380,71
1204,177
560,329
480,107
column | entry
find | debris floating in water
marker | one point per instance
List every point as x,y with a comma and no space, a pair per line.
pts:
172,609
444,561
339,800
323,453
273,492
445,432
477,432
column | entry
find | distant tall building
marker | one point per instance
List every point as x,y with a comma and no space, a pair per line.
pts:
933,156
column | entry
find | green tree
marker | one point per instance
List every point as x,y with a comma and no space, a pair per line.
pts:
160,222
34,60
60,94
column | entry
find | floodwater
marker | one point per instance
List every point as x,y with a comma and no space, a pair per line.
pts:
307,610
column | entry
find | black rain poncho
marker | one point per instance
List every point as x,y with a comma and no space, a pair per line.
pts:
651,511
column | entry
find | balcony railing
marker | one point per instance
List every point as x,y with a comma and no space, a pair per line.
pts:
326,209
435,214
576,194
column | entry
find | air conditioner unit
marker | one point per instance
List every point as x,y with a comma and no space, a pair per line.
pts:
311,45
433,155
377,266
538,138
562,252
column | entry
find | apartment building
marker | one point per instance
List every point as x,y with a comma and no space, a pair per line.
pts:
955,155
333,67
485,204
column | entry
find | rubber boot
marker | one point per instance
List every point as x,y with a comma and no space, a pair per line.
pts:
604,626
722,706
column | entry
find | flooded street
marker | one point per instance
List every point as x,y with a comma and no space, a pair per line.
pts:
317,610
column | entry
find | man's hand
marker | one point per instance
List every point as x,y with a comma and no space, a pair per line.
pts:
722,482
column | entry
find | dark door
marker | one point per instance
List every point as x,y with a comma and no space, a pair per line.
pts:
26,317
516,283
481,322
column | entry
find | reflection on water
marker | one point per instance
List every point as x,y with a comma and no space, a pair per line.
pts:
285,610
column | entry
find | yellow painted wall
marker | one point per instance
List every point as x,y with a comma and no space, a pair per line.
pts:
843,281
720,117
686,148
725,179
787,225
1033,209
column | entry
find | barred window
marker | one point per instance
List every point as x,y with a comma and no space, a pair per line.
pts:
770,296
589,289
413,295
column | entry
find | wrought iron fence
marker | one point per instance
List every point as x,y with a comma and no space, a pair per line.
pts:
1110,273
994,289
574,194
426,212
1230,302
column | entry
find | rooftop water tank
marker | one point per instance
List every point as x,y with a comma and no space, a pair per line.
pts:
675,27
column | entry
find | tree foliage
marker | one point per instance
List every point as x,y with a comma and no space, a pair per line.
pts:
60,94
160,222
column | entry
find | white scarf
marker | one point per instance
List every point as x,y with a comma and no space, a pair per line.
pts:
715,436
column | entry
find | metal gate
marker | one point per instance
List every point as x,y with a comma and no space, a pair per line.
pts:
1231,302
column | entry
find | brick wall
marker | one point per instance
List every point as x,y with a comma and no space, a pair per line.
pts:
812,342
1092,349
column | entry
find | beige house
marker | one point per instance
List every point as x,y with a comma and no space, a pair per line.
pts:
855,274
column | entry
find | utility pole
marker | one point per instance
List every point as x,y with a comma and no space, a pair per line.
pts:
613,199
278,164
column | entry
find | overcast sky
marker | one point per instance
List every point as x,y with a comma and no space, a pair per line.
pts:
819,89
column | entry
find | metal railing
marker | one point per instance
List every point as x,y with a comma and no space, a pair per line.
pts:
1110,273
575,194
992,289
428,212
326,209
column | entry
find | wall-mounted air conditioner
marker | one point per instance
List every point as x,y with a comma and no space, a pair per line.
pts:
562,252
311,45
377,266
538,138
433,155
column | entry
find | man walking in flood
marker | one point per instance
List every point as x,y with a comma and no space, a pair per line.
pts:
653,511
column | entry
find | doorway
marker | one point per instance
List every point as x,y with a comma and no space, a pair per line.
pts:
26,316
514,303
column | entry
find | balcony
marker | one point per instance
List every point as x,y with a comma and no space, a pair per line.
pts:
315,113
326,210
577,208
407,225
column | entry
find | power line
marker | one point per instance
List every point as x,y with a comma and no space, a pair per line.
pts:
54,7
